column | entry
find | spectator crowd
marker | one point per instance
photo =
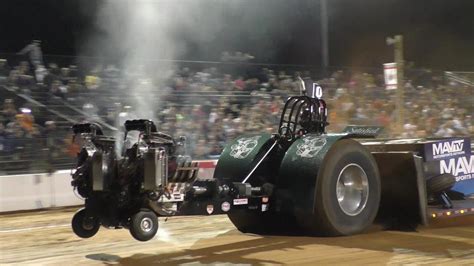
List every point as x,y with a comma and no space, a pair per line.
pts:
209,105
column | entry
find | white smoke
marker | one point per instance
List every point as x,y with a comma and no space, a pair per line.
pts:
144,35
140,32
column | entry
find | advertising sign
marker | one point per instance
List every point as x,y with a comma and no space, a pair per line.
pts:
453,156
449,148
390,75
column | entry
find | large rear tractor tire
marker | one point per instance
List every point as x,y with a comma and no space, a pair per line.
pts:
143,225
347,192
84,226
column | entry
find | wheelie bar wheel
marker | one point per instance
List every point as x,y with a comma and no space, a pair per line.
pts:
440,183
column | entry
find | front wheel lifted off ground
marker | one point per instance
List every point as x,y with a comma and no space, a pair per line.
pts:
84,226
347,192
143,225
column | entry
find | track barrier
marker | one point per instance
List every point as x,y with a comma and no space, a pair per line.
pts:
42,190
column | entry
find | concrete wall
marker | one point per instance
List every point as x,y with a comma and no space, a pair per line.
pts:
38,191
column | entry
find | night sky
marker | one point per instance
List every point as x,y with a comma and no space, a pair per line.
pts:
438,34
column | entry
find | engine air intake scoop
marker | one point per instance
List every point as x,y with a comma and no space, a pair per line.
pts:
142,125
91,128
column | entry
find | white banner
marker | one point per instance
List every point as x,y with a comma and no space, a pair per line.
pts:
390,74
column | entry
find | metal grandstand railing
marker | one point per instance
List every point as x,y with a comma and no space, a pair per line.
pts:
35,154
465,78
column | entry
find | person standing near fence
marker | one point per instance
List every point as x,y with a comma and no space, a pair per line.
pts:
33,50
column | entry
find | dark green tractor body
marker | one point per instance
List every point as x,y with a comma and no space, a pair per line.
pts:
299,179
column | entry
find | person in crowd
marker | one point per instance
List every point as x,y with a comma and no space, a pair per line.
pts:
4,70
40,73
445,130
8,111
58,89
92,81
33,50
53,144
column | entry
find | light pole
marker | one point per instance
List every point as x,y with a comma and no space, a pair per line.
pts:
397,42
324,36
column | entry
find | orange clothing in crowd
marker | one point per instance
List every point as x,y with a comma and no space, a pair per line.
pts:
26,121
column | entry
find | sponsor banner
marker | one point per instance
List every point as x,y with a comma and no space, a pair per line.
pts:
452,156
242,201
447,149
390,75
363,131
462,168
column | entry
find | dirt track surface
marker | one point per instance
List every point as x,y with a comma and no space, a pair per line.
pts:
46,238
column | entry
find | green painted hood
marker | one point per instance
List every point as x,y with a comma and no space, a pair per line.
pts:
239,156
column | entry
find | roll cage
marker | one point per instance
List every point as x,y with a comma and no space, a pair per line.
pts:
305,114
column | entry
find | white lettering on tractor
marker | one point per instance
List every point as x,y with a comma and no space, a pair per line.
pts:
365,131
457,166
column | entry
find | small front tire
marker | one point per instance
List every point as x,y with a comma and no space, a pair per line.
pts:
83,225
144,225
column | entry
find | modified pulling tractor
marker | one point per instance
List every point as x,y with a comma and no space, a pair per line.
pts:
300,178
